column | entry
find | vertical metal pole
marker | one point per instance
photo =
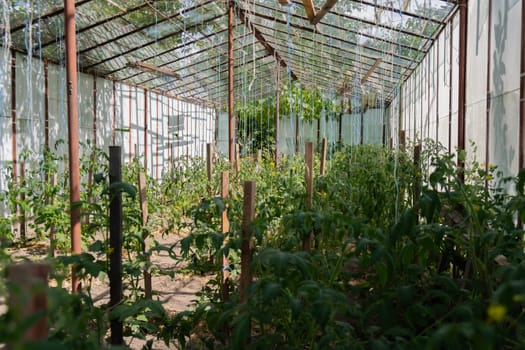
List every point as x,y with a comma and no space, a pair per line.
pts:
72,111
157,138
115,242
130,150
436,63
522,90
46,105
170,155
450,56
277,110
463,15
94,111
13,113
146,130
231,141
114,132
488,93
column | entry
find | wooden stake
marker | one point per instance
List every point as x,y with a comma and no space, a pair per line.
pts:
417,180
28,297
323,156
246,244
237,158
309,177
145,248
209,162
225,227
402,139
23,221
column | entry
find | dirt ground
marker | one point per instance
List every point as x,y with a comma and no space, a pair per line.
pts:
177,293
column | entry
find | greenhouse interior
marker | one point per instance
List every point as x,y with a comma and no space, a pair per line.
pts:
262,174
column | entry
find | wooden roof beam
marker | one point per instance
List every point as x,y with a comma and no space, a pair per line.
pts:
324,10
371,70
146,67
260,38
309,8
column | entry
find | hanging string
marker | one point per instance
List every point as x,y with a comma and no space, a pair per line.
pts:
396,121
289,71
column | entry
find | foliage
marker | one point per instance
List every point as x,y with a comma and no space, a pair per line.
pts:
405,256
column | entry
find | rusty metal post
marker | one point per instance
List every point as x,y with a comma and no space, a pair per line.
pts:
488,100
277,111
115,242
231,126
46,106
522,90
247,245
28,298
13,113
225,228
323,156
146,130
94,110
114,131
309,178
72,111
463,16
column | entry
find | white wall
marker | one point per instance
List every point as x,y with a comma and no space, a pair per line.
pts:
109,113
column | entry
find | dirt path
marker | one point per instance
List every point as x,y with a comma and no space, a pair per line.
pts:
176,294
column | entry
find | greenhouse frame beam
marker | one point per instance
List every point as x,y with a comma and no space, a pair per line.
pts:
231,125
401,11
463,16
207,69
339,48
212,90
522,91
260,37
373,37
350,66
179,58
152,42
96,24
362,20
139,29
308,29
214,83
206,60
72,112
57,12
